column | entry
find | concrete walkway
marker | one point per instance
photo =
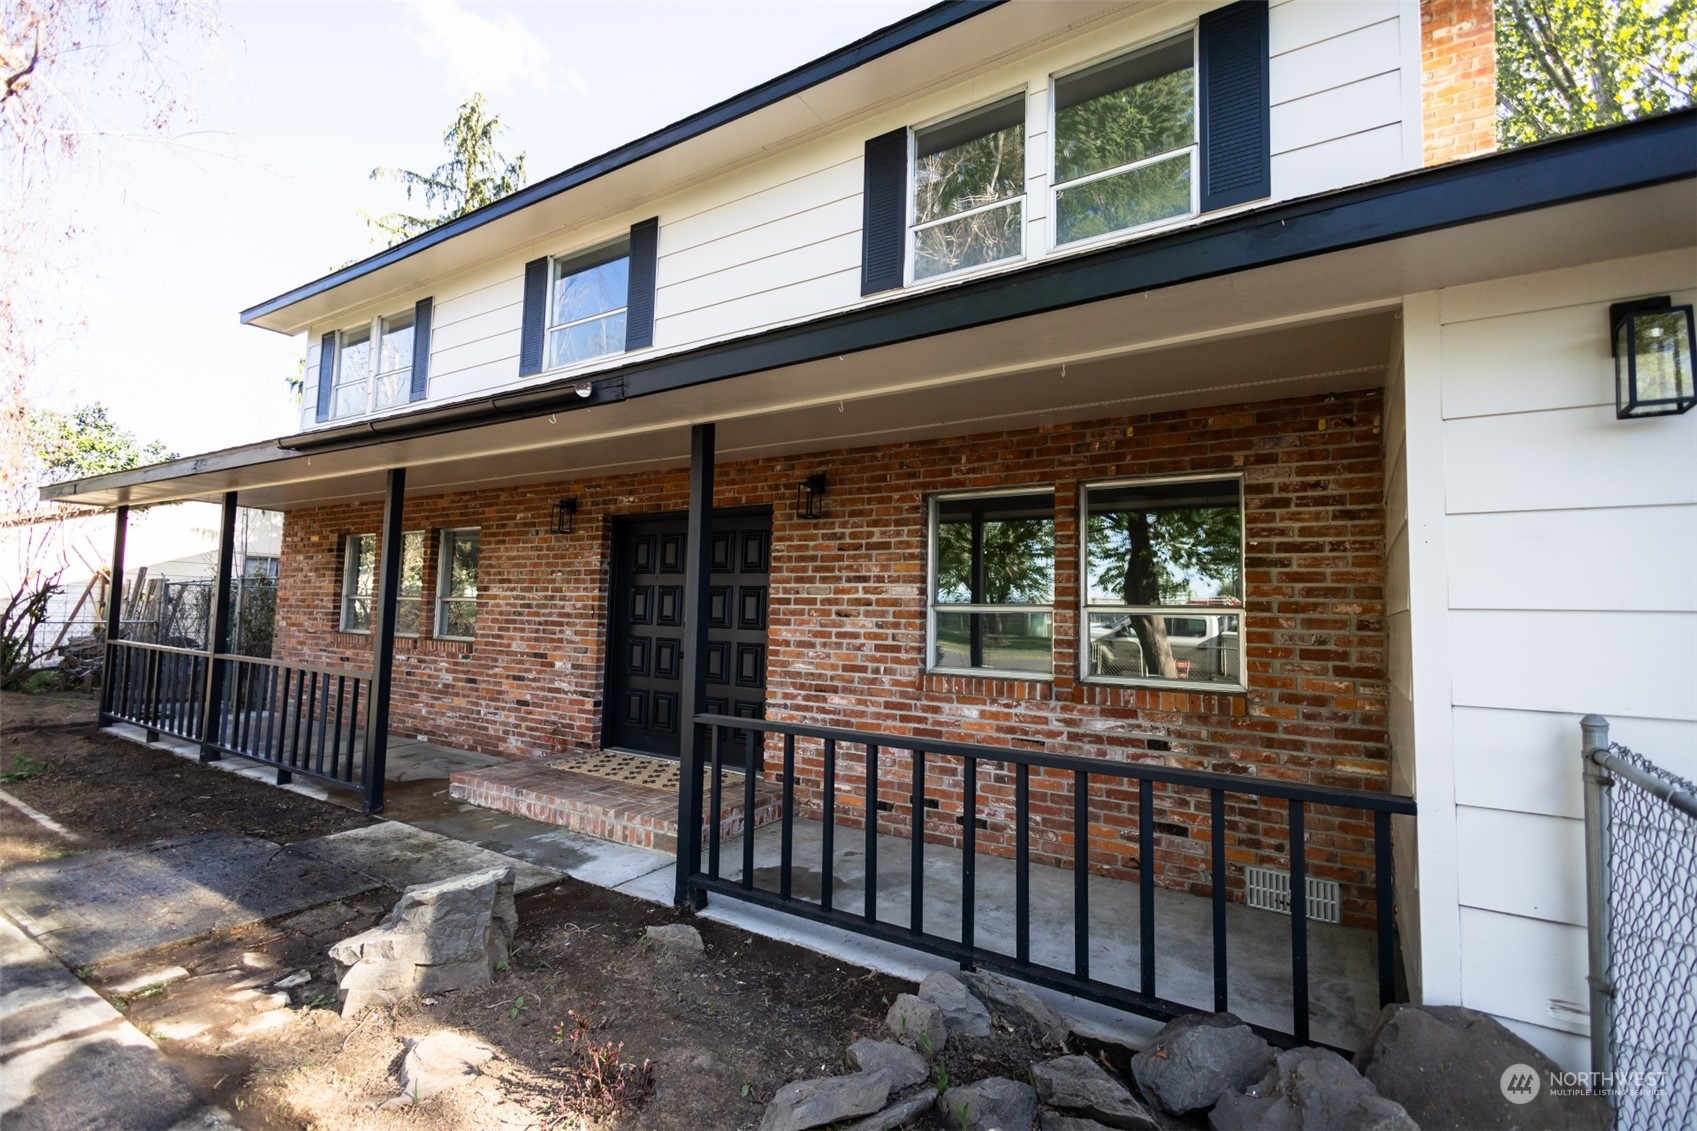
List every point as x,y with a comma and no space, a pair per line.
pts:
70,1060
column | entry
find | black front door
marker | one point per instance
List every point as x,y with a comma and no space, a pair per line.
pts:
645,662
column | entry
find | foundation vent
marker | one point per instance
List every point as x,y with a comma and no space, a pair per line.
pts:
1269,890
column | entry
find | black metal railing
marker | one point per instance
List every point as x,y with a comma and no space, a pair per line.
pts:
299,718
159,688
966,771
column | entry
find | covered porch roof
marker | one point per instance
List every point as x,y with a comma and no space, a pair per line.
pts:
1294,299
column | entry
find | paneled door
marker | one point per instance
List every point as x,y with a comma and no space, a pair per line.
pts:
645,664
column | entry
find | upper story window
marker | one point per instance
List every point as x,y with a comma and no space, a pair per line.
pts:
373,365
969,190
587,305
1125,142
1164,581
993,583
456,584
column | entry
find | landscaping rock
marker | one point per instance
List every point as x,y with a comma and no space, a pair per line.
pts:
1198,1058
1079,1084
1018,1006
816,1103
1310,1090
1445,1065
436,1063
964,1013
298,978
905,1066
443,936
1055,1121
996,1104
916,1022
676,938
898,1114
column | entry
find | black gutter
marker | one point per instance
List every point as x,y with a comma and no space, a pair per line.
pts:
896,36
1636,155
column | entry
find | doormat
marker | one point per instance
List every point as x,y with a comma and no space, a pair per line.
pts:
632,769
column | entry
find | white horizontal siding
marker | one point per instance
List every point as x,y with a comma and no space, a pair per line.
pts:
784,303
1300,23
1339,112
1333,61
1565,559
1529,969
777,272
1522,863
789,186
1352,159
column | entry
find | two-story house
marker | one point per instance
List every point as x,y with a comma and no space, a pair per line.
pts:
1130,390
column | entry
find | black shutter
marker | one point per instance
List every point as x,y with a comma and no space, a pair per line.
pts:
884,219
420,350
535,316
639,299
326,374
1235,97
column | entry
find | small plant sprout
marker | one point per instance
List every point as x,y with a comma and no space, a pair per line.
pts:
940,1073
925,1044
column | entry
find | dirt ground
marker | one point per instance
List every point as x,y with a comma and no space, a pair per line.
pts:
723,1031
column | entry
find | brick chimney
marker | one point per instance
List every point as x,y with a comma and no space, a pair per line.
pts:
1458,82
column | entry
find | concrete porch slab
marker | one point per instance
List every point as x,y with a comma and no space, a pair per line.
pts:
400,855
108,905
69,1060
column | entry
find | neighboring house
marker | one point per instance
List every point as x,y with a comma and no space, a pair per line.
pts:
1173,383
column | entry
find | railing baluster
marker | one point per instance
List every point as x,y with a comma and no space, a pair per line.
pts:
336,727
321,688
1217,821
716,769
828,833
235,727
349,773
1022,862
871,832
1146,884
969,855
749,772
269,748
786,851
1298,923
1384,907
916,889
1081,874
283,716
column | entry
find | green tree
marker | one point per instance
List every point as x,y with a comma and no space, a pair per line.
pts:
1569,65
86,441
1152,556
476,173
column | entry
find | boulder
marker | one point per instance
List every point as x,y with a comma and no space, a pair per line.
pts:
1018,1006
996,1104
674,938
1310,1089
448,935
816,1103
1445,1065
964,1013
1078,1084
898,1114
906,1067
916,1022
436,1063
1055,1121
1198,1058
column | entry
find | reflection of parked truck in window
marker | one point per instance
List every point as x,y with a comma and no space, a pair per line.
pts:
1204,647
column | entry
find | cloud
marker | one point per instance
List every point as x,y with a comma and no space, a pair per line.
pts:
480,53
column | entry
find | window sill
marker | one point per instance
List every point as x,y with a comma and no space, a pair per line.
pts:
1197,686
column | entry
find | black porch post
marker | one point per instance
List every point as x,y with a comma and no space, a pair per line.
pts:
698,574
383,640
114,610
218,633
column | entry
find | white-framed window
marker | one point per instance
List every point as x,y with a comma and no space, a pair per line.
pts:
1163,582
587,295
968,191
456,584
373,367
992,588
359,583
1125,151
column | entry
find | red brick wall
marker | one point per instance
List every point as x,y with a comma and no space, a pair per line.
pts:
1458,89
847,615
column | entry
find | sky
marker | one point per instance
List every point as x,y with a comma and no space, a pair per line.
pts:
260,188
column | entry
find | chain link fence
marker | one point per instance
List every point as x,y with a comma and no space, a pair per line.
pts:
1641,842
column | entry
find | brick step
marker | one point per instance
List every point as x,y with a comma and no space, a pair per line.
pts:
602,807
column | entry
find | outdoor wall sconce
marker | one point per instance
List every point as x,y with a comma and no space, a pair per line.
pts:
565,516
1654,349
810,497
